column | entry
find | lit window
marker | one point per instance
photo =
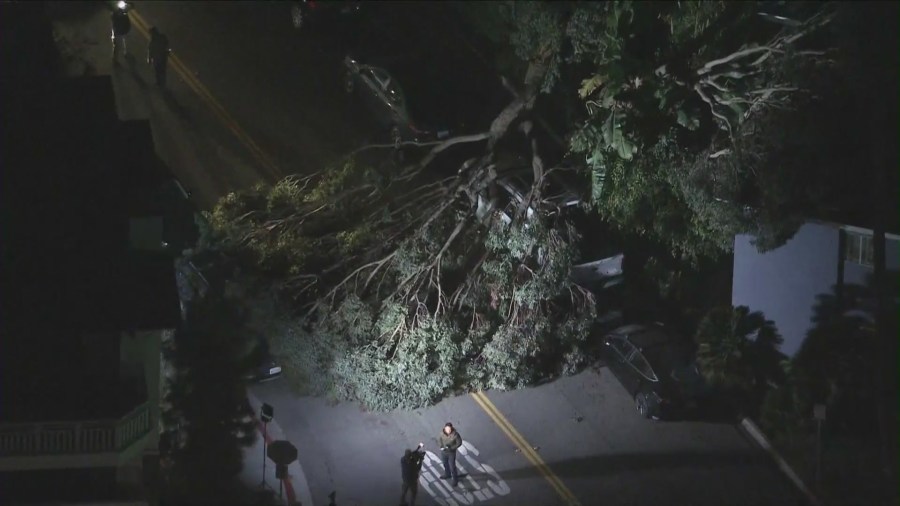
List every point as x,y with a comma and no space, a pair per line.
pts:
858,249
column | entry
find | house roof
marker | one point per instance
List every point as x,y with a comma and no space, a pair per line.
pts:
73,179
73,175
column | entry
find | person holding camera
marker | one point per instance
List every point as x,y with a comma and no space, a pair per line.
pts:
450,442
121,25
410,465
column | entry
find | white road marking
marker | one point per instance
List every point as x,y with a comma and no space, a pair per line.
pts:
445,495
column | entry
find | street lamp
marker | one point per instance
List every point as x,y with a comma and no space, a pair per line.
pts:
266,413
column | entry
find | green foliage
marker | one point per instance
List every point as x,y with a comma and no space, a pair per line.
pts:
691,19
519,321
407,370
353,318
336,180
270,227
353,241
693,79
306,356
507,361
205,416
643,199
538,36
737,352
833,366
786,410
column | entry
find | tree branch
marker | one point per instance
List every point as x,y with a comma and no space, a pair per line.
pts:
451,142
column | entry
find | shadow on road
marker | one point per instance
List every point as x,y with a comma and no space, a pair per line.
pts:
610,465
176,107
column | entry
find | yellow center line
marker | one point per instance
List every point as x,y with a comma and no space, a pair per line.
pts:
529,453
203,92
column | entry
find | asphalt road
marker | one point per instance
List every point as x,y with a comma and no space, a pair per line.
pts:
239,74
583,428
253,99
281,86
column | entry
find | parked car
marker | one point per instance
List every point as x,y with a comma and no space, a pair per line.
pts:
514,187
656,368
265,366
386,101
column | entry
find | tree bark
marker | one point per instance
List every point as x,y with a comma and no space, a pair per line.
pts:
534,78
885,347
877,77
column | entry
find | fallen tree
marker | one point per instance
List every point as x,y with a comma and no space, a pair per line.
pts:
406,284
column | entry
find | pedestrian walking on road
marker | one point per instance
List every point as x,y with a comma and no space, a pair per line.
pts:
158,55
121,25
450,442
410,466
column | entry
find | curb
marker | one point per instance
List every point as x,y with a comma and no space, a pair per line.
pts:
296,484
757,435
288,485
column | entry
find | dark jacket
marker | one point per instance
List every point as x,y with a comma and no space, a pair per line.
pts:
121,23
410,465
451,442
158,49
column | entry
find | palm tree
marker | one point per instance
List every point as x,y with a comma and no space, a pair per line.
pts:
737,352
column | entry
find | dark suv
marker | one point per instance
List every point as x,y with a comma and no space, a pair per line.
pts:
656,368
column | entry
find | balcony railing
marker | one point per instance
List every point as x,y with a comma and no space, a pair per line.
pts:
79,437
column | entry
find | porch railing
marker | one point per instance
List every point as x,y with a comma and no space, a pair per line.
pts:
76,437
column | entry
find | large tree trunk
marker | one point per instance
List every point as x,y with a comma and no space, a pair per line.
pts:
883,346
884,108
886,341
870,55
534,78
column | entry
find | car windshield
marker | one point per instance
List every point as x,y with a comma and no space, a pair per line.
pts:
621,347
640,363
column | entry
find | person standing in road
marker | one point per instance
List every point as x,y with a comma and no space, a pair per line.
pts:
158,55
450,442
121,25
410,466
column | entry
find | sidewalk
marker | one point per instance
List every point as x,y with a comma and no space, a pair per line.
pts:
295,490
199,150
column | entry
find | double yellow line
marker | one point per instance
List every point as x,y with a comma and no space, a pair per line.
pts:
526,448
203,92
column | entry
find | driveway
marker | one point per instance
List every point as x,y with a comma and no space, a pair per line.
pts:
575,440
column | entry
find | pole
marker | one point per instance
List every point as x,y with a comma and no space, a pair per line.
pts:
280,482
819,452
265,437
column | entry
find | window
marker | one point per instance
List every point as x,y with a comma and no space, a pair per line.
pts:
858,249
393,95
640,363
623,348
384,80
